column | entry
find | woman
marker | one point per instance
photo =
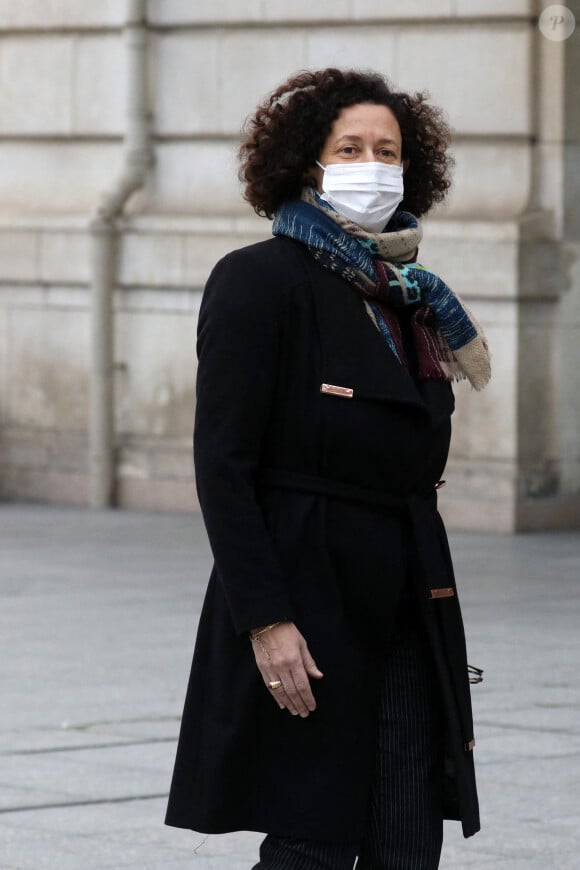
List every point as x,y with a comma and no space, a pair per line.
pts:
328,704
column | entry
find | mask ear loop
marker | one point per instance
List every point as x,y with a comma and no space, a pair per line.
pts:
318,163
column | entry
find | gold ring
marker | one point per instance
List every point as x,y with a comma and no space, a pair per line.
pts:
275,684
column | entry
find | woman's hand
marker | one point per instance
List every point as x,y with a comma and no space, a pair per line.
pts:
282,655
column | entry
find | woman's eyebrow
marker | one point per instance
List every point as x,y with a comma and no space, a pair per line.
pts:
354,138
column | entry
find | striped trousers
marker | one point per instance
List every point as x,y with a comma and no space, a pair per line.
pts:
404,829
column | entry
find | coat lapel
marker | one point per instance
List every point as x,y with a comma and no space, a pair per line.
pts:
355,356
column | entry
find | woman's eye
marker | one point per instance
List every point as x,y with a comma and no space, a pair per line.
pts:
348,149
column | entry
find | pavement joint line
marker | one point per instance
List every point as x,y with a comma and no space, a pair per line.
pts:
63,805
506,761
113,745
539,729
97,723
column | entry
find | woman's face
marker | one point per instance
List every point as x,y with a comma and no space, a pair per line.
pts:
362,133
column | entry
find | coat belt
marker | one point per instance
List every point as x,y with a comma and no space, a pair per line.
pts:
419,507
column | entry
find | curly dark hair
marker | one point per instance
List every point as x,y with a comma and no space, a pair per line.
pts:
287,133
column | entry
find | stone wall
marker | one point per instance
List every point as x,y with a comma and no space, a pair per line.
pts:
507,239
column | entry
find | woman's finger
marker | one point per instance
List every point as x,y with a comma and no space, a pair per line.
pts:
302,695
310,665
295,702
276,689
281,696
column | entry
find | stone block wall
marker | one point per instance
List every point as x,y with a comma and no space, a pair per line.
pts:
507,239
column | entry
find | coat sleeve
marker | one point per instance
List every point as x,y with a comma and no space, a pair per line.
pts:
238,350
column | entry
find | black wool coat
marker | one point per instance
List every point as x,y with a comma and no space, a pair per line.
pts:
320,507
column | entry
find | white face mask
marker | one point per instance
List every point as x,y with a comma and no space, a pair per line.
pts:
367,193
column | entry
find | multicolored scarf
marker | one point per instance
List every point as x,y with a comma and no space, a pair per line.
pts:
448,340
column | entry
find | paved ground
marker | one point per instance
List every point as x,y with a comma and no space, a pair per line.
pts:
98,615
